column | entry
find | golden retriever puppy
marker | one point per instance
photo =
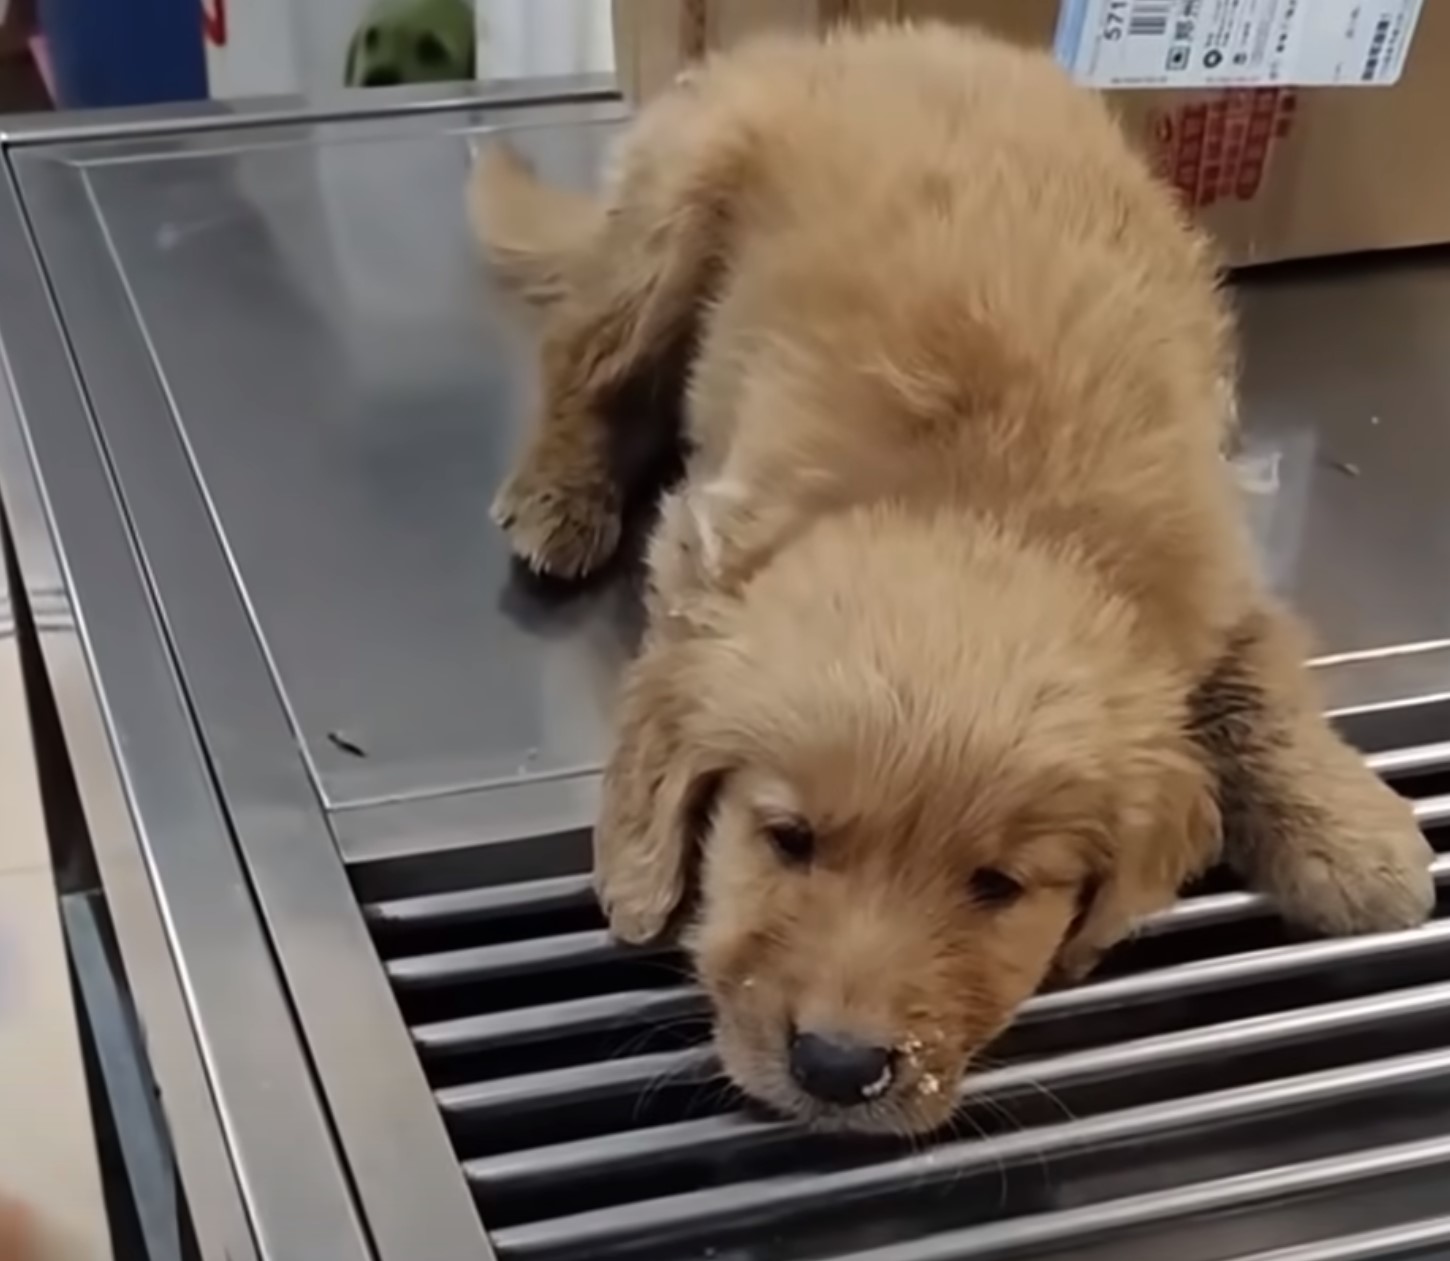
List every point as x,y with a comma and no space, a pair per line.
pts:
958,663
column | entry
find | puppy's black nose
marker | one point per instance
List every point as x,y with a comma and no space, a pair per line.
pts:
838,1069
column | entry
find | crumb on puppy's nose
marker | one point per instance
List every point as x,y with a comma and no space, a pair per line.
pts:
838,1069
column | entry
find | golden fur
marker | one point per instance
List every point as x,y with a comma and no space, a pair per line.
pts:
957,658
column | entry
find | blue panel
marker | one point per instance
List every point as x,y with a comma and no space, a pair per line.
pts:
107,53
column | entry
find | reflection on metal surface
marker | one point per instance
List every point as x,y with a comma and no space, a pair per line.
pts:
341,768
50,611
1328,661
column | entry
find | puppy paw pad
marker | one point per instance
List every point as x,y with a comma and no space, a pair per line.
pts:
559,530
1369,888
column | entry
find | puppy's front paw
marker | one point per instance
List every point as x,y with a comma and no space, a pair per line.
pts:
1367,870
562,526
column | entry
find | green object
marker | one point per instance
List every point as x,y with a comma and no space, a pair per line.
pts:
412,41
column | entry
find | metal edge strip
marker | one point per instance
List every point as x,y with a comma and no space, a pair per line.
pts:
168,120
476,121
547,823
397,1151
1394,1243
217,1027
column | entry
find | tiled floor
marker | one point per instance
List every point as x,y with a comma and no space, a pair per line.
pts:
47,1146
47,1150
46,1156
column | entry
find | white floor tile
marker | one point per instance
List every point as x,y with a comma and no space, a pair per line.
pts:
47,1148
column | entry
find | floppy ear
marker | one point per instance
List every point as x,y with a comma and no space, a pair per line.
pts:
1150,862
659,789
1079,952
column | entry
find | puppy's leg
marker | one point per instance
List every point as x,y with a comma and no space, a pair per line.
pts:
562,505
1304,819
622,303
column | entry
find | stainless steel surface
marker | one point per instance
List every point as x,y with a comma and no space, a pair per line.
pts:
160,832
379,391
290,866
263,396
1347,386
267,214
38,381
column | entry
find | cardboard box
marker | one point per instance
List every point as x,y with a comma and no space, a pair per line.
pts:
1274,172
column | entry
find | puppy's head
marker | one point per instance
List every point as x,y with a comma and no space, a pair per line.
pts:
939,762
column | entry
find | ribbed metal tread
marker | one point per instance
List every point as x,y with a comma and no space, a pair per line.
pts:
1219,1090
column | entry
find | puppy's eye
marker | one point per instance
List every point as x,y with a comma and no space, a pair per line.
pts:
792,840
991,887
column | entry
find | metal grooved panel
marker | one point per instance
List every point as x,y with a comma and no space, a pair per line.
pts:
1219,1087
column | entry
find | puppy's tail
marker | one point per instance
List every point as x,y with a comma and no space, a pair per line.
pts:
528,230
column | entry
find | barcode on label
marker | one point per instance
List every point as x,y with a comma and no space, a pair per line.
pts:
1376,50
1149,18
1156,44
